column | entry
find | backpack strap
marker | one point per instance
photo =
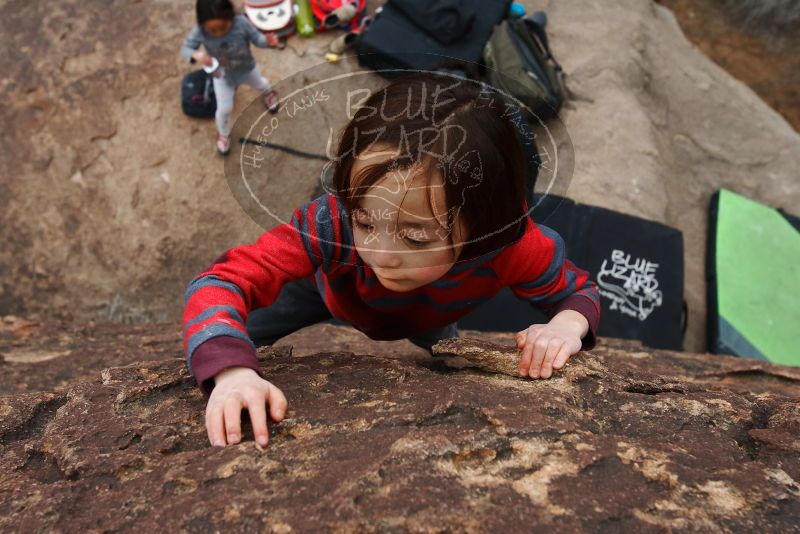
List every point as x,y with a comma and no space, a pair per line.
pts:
540,36
207,89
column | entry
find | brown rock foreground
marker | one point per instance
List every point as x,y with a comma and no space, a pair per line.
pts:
622,440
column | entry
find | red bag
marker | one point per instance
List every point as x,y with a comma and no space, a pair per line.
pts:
327,14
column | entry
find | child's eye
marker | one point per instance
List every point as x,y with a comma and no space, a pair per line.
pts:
367,227
415,243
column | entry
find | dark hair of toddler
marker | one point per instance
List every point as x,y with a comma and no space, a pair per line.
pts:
214,9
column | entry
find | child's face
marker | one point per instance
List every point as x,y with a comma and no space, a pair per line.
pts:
395,231
217,27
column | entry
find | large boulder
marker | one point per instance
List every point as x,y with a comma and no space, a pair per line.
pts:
111,199
658,128
623,439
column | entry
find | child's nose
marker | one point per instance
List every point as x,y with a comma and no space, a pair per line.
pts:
386,259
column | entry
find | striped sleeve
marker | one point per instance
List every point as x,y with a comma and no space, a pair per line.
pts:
537,270
218,300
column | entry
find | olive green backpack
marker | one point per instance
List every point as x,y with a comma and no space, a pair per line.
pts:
519,62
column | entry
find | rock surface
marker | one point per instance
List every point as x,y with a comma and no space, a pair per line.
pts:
484,355
624,439
53,356
111,199
760,51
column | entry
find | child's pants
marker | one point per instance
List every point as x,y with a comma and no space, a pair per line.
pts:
224,91
299,304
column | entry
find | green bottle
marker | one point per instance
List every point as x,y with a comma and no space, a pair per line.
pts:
304,19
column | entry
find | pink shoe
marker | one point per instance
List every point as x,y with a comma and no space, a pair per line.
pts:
271,101
223,144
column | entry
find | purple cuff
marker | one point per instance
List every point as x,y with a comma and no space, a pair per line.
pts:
219,353
586,307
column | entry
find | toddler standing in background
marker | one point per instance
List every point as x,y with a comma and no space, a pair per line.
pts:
226,37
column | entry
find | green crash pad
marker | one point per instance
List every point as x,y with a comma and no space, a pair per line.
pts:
754,281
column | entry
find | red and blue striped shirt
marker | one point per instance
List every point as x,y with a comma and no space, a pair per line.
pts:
318,242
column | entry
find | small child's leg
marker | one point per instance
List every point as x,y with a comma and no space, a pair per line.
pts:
298,305
258,82
224,92
428,339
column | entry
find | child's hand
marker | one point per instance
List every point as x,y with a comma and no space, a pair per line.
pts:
202,57
237,388
548,346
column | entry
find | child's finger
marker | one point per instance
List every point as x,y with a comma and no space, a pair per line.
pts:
553,349
233,419
525,359
520,338
539,352
562,357
277,403
258,417
214,425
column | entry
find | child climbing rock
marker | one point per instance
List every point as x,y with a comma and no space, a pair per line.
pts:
226,38
426,220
